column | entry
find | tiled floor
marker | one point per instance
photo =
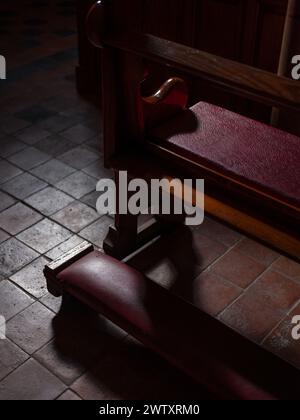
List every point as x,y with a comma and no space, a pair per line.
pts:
50,161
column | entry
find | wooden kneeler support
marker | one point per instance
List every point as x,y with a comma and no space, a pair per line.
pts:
228,365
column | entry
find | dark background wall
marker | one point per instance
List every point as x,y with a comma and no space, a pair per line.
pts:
249,31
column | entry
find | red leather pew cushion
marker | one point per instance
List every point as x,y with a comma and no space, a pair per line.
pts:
220,359
259,155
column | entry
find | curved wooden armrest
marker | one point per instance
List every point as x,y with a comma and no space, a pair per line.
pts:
174,91
96,23
171,98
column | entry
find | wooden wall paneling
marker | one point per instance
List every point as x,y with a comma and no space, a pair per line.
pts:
248,31
220,30
88,73
265,30
174,20
269,31
127,14
88,76
220,27
290,48
170,19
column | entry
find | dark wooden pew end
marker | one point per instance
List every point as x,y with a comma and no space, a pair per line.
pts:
228,365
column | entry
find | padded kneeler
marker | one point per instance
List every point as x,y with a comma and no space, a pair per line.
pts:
227,364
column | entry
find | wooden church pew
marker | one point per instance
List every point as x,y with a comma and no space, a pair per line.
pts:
251,170
249,184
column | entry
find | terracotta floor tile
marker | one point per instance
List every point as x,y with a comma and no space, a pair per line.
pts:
257,251
11,357
17,218
207,249
287,267
14,255
12,299
30,381
219,232
251,317
262,306
238,268
213,294
282,343
31,278
32,328
44,236
278,290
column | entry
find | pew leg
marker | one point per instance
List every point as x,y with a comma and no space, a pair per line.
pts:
126,236
122,237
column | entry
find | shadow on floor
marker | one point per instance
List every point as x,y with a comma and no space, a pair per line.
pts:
176,253
119,367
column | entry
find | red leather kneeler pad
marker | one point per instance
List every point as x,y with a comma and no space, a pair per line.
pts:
220,359
256,154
